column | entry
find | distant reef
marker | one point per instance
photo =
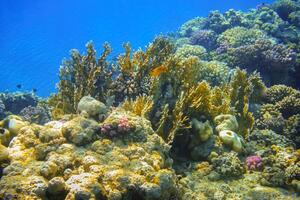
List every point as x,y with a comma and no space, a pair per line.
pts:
211,111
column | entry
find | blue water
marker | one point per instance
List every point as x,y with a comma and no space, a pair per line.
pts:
35,35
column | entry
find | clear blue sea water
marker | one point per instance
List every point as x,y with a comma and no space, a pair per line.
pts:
35,35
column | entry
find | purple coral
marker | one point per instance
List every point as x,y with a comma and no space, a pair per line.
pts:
111,130
254,162
205,38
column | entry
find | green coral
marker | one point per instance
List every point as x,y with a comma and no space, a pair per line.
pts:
292,128
269,117
191,26
228,165
241,90
285,7
239,36
216,22
214,72
188,50
277,93
289,106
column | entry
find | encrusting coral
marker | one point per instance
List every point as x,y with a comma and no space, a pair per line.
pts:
78,159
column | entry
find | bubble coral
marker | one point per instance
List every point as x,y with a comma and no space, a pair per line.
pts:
254,162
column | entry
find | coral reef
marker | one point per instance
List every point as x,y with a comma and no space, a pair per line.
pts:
51,162
262,39
210,112
13,103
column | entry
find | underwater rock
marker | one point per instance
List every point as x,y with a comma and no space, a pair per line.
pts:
126,166
92,107
296,185
202,130
56,186
203,150
80,131
3,153
22,187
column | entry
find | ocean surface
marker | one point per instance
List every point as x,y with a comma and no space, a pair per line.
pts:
36,35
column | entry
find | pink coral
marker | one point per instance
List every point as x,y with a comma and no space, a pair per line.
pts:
254,162
105,128
122,126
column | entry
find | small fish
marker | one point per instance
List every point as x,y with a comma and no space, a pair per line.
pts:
158,71
19,86
34,90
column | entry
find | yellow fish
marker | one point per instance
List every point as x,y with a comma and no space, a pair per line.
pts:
158,71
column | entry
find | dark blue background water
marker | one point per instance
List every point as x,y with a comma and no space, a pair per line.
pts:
36,34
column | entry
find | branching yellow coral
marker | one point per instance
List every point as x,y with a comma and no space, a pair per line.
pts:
180,120
140,106
241,89
80,76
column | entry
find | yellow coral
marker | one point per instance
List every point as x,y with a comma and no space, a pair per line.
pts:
241,89
140,106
